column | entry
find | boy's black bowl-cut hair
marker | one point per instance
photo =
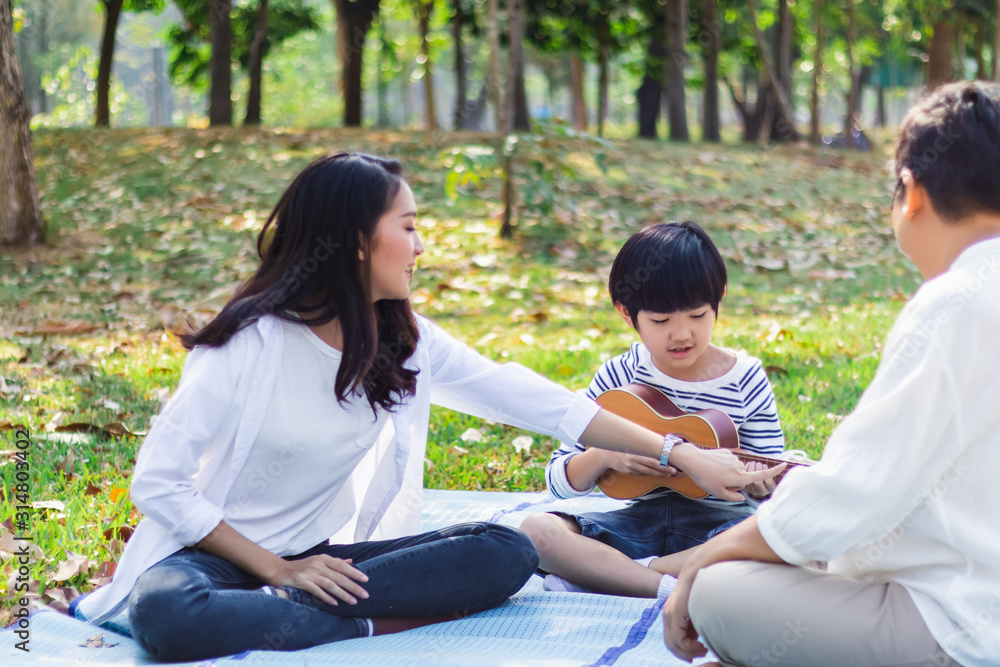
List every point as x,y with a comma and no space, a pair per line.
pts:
668,267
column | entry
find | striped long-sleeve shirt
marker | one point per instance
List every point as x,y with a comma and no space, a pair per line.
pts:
743,393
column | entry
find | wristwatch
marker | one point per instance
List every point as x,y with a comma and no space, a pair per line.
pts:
669,440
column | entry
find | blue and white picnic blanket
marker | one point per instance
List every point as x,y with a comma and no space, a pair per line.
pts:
533,628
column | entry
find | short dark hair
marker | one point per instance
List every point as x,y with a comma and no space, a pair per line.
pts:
668,267
951,142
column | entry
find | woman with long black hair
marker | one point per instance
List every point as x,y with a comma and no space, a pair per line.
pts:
302,414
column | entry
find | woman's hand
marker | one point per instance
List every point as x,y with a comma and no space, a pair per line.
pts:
322,576
678,633
759,490
718,471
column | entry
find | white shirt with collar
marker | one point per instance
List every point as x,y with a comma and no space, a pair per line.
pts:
199,446
907,489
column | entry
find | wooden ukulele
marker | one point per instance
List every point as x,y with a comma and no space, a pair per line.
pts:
649,407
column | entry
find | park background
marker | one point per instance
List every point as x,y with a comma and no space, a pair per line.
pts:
537,135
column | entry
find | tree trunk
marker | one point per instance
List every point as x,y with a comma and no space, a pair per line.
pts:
257,48
785,47
354,18
677,22
43,48
880,119
424,9
381,84
112,12
220,110
980,45
710,125
494,83
753,131
31,42
41,24
579,101
814,134
783,59
475,109
959,48
996,43
650,93
787,121
461,69
20,211
517,99
939,69
406,94
864,75
752,116
850,118
603,32
496,92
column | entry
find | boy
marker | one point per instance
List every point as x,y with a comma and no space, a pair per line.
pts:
666,282
903,506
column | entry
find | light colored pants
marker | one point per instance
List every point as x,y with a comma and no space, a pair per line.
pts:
761,614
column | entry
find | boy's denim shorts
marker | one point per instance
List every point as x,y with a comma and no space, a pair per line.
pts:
658,526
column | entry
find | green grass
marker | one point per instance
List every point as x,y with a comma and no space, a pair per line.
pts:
148,225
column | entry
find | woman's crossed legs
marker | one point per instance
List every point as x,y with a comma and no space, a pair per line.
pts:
195,605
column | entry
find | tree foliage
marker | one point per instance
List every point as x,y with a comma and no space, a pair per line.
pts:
190,42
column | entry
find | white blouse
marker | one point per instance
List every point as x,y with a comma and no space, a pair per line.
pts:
201,442
907,488
307,437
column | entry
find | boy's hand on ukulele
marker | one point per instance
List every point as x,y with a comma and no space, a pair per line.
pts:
763,489
325,577
634,464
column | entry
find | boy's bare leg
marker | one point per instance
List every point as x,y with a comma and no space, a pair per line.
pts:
673,563
564,552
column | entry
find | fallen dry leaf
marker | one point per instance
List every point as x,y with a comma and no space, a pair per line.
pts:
8,388
65,328
114,548
72,566
55,421
67,464
78,427
60,598
471,435
10,547
49,505
122,532
830,274
119,429
104,574
522,444
97,641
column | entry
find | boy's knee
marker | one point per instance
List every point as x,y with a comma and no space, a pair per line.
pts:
534,525
544,529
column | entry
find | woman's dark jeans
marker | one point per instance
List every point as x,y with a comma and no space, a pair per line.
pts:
193,605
